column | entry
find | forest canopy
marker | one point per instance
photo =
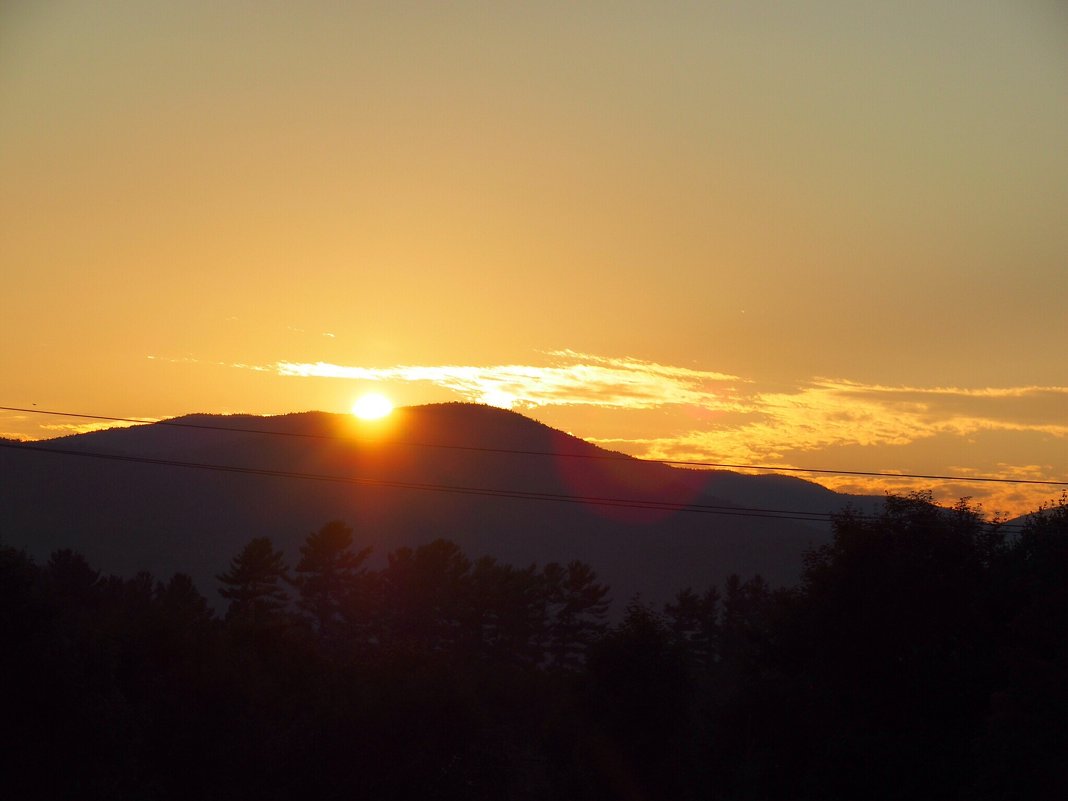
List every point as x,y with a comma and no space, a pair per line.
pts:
923,654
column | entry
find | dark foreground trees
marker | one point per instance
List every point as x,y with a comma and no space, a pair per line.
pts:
255,584
924,655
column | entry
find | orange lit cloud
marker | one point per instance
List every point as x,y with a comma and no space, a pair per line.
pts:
832,413
801,426
66,429
576,380
791,429
758,426
46,430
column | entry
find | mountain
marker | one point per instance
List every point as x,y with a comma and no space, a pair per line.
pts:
445,470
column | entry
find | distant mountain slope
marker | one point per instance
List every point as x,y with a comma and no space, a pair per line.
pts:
127,516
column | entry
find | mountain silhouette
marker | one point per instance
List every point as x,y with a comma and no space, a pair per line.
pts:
438,471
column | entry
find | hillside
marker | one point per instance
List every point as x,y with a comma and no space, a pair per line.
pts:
451,461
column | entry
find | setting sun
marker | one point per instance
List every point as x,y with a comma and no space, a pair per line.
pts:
372,406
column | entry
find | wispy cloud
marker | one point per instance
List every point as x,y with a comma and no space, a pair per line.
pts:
800,428
1003,500
829,413
64,429
575,379
766,425
981,392
786,427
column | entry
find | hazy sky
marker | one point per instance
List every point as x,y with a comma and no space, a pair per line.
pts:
810,234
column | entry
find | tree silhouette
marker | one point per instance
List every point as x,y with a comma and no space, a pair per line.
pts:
903,619
426,595
639,692
254,584
1025,733
577,605
694,622
508,612
327,573
21,602
71,579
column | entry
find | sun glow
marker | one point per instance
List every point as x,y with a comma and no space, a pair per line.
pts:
372,406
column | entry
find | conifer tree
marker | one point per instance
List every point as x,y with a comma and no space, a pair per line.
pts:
327,573
578,605
254,584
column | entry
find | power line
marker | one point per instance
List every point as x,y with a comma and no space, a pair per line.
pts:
630,503
591,456
635,503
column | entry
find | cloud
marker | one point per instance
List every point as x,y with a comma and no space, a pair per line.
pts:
754,425
800,427
64,429
794,426
575,380
1029,405
828,413
1002,500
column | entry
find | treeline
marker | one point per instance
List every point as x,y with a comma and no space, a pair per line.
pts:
923,655
429,599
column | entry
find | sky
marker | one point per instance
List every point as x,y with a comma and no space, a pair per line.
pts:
820,235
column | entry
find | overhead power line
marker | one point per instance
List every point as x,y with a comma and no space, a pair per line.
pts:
634,503
591,456
593,500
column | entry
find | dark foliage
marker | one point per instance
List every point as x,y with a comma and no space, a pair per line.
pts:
254,584
924,655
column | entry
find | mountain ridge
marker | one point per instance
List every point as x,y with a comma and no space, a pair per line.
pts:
165,518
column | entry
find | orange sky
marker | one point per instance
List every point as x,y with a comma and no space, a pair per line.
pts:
829,236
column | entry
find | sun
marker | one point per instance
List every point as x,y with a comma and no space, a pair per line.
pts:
372,406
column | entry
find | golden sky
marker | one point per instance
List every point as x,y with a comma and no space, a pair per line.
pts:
823,234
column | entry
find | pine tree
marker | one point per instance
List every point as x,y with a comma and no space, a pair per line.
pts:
578,605
254,584
327,573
